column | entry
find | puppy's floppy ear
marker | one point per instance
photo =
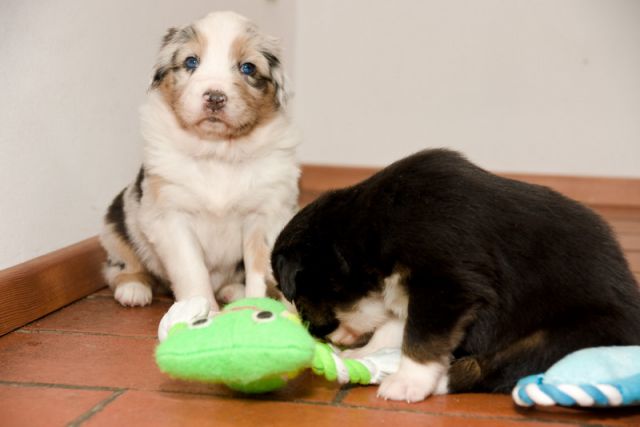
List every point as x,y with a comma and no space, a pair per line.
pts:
163,63
281,84
287,271
271,51
169,35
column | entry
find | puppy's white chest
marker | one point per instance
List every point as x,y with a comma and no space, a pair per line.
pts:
220,239
215,191
222,191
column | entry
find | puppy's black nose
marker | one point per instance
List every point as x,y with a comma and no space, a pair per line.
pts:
215,99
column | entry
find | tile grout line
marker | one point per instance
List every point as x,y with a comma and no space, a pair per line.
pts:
475,416
61,386
337,401
337,404
341,394
96,409
44,331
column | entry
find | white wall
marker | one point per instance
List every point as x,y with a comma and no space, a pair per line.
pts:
72,75
542,86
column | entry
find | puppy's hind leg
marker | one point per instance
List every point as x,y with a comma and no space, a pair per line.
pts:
498,372
126,276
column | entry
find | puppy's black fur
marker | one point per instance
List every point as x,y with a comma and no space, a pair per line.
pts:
507,276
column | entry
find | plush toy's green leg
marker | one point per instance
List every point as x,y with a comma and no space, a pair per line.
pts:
371,369
327,363
322,363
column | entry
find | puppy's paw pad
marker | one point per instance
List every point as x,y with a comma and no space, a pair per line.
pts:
131,294
398,387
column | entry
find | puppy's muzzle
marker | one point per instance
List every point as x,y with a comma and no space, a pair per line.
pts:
214,100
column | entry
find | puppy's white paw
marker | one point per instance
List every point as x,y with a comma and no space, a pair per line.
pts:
399,387
131,294
230,293
185,311
413,382
443,385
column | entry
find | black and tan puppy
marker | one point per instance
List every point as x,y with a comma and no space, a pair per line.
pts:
480,279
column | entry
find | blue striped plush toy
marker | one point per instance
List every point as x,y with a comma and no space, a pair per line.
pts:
593,377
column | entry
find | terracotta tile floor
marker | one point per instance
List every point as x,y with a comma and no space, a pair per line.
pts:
91,363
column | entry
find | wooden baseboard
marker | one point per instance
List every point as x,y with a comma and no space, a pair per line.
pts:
604,191
37,287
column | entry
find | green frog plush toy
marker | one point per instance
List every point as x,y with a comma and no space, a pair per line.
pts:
255,345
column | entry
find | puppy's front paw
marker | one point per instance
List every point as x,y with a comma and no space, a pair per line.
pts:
131,294
414,381
399,387
183,312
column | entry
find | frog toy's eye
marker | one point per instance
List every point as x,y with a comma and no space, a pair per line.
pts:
200,323
263,316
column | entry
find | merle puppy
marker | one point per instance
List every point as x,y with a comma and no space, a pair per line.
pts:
480,279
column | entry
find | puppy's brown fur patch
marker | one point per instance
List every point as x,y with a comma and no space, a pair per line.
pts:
257,91
258,251
128,267
465,373
155,184
179,45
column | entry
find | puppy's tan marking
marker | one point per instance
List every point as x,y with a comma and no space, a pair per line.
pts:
125,253
257,250
154,187
525,345
395,295
260,99
177,46
143,278
466,372
125,274
256,262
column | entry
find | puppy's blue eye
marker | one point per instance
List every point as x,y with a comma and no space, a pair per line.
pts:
247,68
191,63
